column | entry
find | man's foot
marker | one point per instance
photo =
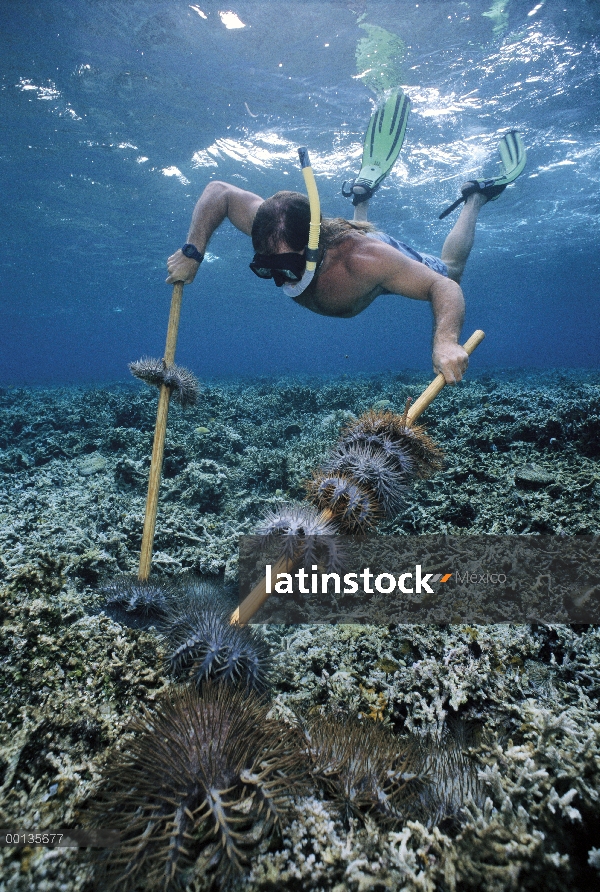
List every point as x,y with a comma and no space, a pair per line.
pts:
483,190
486,188
513,157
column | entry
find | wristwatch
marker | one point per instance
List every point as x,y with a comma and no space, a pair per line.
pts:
192,252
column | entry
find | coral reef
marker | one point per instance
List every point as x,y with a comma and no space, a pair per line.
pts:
201,782
514,806
70,683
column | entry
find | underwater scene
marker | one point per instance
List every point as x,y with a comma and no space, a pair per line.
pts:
286,284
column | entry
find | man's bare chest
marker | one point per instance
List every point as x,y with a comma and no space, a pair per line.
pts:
333,293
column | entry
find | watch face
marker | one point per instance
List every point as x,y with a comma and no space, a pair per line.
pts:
192,252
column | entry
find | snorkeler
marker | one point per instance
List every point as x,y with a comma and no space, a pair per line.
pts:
354,262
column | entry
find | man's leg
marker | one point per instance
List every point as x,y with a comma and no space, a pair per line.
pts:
361,210
459,242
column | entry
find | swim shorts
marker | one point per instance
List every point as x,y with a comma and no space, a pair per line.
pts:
429,260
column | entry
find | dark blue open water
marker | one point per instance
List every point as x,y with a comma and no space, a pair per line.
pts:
116,113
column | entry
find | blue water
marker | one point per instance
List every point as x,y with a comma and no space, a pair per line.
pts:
116,113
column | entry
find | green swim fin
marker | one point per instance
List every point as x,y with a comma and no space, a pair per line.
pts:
513,155
383,141
513,159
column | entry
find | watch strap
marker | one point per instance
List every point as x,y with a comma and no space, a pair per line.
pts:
192,252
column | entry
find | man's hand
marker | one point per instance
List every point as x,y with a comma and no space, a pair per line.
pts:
181,268
218,202
451,360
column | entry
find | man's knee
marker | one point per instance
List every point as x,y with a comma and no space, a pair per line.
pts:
455,271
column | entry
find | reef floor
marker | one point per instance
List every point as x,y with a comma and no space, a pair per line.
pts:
521,456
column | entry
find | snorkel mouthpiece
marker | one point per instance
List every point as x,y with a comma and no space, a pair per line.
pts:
312,251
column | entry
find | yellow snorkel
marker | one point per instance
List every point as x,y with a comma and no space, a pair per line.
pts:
312,251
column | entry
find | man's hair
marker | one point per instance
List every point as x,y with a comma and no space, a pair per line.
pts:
285,217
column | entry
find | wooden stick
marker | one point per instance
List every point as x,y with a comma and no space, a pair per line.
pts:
257,597
160,430
438,383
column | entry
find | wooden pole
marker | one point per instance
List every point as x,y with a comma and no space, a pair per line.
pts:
160,430
257,597
438,383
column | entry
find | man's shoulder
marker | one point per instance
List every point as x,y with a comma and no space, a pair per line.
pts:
359,249
352,245
351,266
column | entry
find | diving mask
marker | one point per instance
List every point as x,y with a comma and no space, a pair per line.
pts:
279,267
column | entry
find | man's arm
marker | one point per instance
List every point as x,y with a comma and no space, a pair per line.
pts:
400,275
448,305
218,202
